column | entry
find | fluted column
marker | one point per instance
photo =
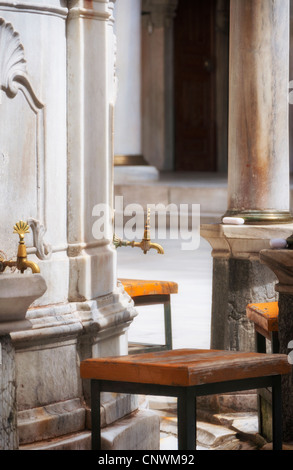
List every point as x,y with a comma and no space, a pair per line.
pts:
258,177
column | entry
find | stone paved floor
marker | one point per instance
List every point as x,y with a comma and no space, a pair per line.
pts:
236,431
191,307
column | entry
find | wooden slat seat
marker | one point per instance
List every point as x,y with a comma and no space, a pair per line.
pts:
185,374
185,367
149,292
265,319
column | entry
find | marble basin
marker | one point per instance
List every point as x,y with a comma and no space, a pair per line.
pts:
17,293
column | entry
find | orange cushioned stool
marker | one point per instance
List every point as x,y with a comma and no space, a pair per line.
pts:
152,293
186,374
265,319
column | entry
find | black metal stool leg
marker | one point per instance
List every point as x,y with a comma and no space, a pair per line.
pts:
95,415
168,325
186,420
277,413
260,343
275,342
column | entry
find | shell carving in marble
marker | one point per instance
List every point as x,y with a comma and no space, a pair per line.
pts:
14,78
12,60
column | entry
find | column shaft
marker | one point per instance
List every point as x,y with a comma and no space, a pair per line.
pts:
258,177
128,63
92,261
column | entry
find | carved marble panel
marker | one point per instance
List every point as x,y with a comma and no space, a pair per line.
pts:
22,141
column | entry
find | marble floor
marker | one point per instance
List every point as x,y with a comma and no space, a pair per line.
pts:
191,307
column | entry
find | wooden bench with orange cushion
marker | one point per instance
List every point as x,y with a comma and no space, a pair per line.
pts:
265,319
145,292
186,374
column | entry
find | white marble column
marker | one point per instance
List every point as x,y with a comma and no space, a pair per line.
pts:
258,176
127,140
92,261
103,308
57,92
157,82
91,101
33,178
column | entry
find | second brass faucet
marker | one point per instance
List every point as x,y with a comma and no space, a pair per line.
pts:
145,244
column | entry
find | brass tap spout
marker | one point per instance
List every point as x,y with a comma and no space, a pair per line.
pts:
145,244
157,247
21,263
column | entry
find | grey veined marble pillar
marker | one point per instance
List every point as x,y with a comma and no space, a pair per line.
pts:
258,174
258,177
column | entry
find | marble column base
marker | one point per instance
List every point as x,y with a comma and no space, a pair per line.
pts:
236,283
239,278
125,425
51,397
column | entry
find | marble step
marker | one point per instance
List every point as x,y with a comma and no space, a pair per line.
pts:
76,441
137,431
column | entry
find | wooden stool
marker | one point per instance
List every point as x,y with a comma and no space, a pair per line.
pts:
152,293
186,374
265,319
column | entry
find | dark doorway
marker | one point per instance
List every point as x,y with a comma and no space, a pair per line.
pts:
195,85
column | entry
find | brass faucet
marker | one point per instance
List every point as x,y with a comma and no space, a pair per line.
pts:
145,244
21,263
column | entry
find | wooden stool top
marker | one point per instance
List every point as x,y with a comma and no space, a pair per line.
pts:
185,367
264,315
138,288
